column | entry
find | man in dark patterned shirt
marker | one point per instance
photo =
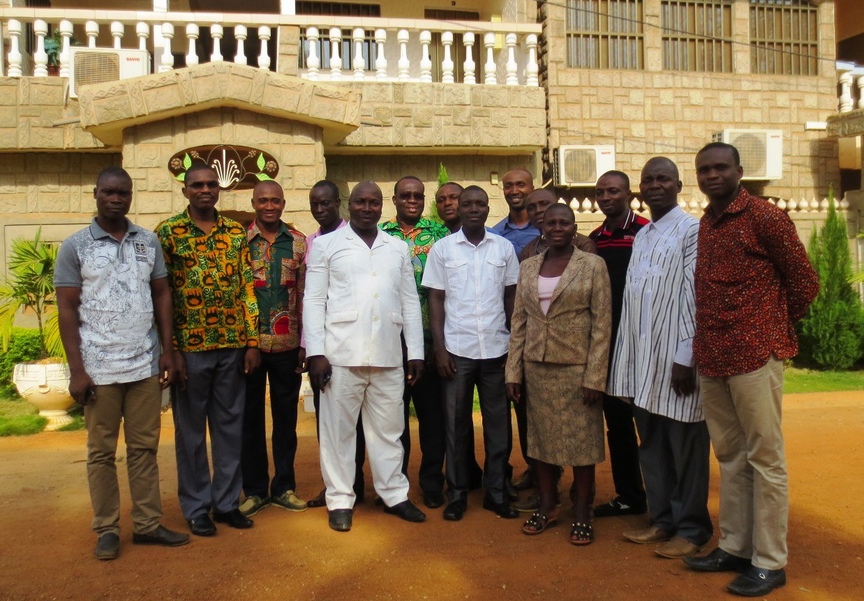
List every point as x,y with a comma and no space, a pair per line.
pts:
753,282
420,234
278,256
215,343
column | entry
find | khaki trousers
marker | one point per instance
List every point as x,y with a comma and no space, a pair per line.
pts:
743,413
138,405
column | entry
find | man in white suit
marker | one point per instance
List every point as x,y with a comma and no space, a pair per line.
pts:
360,296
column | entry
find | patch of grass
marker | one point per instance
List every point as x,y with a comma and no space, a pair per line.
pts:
77,414
19,418
797,380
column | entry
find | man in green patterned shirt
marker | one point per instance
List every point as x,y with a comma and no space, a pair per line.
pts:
215,344
420,234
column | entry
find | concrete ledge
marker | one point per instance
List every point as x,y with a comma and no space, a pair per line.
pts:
843,125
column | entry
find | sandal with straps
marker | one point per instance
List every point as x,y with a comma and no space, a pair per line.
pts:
581,534
538,523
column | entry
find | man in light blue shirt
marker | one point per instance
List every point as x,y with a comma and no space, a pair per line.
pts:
518,184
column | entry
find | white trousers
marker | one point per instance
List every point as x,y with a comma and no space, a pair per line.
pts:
377,392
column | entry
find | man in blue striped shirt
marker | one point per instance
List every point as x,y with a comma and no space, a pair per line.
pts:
653,366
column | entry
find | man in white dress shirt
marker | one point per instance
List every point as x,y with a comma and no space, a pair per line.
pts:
360,296
471,276
653,365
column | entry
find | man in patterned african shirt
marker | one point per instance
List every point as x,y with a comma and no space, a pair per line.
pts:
420,234
278,255
215,344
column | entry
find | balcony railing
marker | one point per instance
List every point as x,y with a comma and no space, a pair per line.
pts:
331,48
851,86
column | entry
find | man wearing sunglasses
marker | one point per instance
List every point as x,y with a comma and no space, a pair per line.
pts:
420,234
216,347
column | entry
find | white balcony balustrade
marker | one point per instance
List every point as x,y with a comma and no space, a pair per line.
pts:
696,205
348,49
851,86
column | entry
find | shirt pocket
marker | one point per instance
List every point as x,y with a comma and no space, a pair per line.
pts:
259,272
457,273
289,273
495,270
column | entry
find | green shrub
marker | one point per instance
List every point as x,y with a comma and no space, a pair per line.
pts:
831,335
24,346
22,425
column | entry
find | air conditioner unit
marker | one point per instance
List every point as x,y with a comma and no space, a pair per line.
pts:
583,165
98,65
761,151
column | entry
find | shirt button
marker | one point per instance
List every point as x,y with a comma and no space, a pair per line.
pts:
374,273
375,318
375,295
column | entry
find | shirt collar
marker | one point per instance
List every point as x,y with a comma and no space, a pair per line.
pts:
460,237
97,232
380,237
342,223
393,225
509,224
741,202
668,221
628,221
219,222
254,231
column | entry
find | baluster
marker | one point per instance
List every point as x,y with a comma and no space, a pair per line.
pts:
264,37
846,91
15,58
781,204
634,205
823,206
532,69
861,91
240,34
511,68
91,29
167,60
468,65
693,205
40,57
357,61
404,64
192,36
335,58
490,75
380,61
65,37
312,60
143,33
793,205
447,63
574,204
844,204
595,208
217,33
425,61
586,204
117,31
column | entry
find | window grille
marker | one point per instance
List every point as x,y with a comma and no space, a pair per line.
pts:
784,37
697,35
604,34
346,48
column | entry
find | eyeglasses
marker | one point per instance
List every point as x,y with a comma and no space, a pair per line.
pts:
410,195
214,185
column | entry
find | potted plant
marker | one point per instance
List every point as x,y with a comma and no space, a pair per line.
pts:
30,286
53,48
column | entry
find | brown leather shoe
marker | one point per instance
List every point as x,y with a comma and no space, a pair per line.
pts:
678,548
651,534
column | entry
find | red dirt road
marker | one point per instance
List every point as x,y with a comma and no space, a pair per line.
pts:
47,544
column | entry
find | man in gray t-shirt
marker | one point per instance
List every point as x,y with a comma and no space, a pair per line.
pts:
111,283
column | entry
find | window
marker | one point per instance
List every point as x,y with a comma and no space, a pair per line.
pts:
784,37
604,34
697,35
457,50
346,49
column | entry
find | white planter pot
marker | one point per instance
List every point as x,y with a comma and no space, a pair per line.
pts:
46,387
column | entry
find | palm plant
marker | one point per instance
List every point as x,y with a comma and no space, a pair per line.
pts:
30,286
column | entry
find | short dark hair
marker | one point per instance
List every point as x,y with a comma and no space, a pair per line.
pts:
474,189
616,173
564,207
449,184
332,187
197,166
402,179
722,146
112,171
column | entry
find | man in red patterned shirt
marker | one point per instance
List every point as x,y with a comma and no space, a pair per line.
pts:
753,282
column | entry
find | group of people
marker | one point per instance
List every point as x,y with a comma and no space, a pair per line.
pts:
672,328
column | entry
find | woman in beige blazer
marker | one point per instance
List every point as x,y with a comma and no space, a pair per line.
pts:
559,346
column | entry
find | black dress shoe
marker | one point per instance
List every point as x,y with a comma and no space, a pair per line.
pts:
407,511
618,506
340,519
202,526
718,561
433,500
107,547
502,510
233,518
318,501
455,510
757,582
160,536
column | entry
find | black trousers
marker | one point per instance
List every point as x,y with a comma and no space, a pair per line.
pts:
623,451
428,398
284,393
360,453
521,411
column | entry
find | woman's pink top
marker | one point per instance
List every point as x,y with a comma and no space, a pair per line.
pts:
545,288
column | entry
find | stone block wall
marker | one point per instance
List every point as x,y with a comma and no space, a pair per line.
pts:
651,112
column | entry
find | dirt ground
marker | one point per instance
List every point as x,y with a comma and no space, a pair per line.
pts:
47,544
